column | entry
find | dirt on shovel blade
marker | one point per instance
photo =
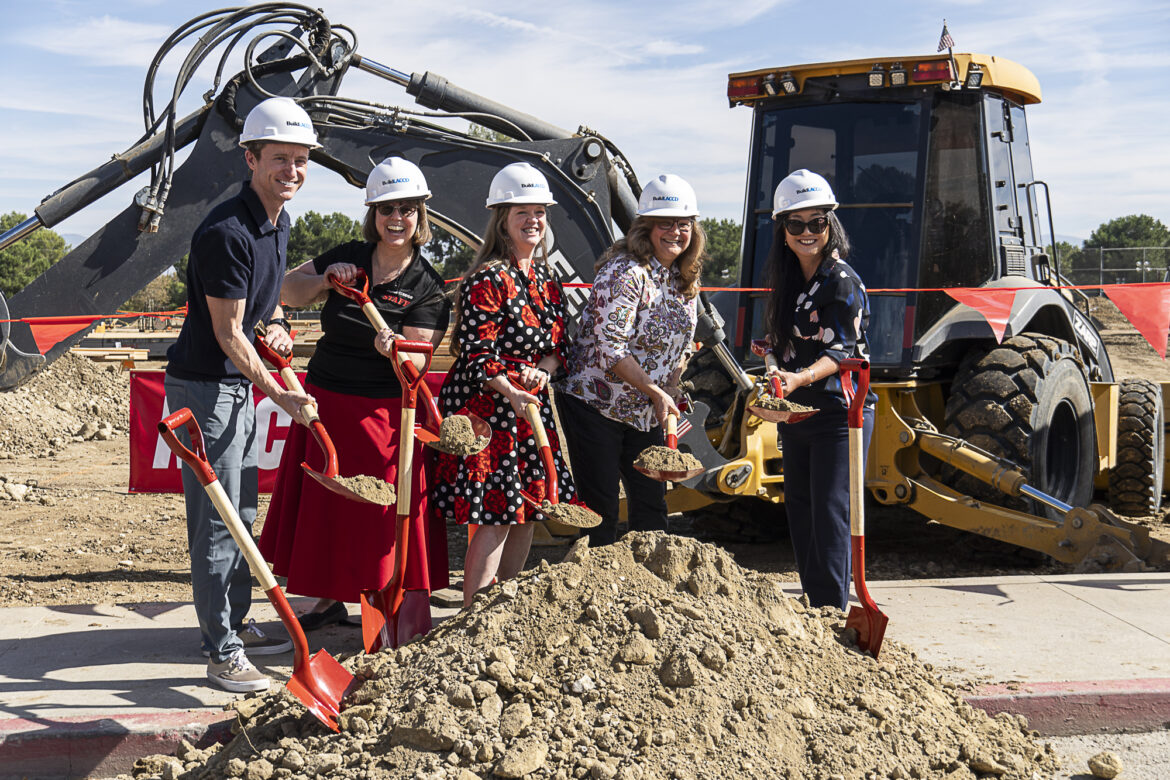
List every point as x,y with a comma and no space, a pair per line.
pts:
570,514
457,437
370,488
665,459
655,658
781,404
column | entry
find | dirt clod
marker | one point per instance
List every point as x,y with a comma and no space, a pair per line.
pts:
742,682
1105,764
659,458
781,404
570,514
379,491
457,437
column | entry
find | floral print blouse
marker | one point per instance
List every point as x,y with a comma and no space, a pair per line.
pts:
832,314
637,311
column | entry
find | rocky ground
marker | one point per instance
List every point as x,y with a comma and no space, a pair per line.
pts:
657,657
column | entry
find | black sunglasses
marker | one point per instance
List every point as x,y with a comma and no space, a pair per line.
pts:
407,210
816,225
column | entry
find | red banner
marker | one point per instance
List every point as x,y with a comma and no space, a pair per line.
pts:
1147,308
995,305
155,469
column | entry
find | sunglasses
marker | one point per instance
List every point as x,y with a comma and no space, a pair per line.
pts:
683,225
407,210
816,225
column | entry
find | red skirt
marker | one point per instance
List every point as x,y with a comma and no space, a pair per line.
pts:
334,548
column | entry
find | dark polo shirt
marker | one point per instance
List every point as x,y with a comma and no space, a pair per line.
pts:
236,253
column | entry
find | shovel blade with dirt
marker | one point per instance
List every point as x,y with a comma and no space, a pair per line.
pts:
366,490
772,406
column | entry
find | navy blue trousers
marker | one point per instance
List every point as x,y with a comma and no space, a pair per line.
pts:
602,453
816,497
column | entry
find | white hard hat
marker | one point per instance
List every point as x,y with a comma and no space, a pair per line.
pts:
395,179
519,183
803,189
668,196
281,120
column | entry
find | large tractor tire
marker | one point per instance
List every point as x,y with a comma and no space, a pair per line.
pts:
1026,400
710,384
1135,483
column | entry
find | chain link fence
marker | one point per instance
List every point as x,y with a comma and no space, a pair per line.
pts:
1128,265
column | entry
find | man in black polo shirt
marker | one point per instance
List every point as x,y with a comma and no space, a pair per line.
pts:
236,265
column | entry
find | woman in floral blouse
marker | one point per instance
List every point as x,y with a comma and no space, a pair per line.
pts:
818,311
509,318
634,340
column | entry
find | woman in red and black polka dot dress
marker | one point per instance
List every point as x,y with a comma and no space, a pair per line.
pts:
509,317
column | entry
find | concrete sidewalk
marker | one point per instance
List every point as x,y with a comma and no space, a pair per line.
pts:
84,690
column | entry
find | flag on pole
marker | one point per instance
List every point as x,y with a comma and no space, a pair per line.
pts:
945,41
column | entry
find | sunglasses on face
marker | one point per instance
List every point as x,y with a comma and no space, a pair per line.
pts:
683,225
407,210
816,225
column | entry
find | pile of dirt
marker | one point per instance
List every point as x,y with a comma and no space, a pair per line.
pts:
657,657
74,399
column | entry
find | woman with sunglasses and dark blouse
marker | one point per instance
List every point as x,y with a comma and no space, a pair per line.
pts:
328,546
818,312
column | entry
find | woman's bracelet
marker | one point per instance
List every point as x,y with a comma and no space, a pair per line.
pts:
811,376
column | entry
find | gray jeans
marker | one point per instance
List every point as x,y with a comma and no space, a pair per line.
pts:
220,580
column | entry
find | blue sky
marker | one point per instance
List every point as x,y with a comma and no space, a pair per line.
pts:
650,76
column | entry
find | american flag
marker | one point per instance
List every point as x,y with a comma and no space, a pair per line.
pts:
684,425
945,41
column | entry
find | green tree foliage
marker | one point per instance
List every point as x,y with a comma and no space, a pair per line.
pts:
724,240
28,258
1134,230
178,284
450,256
314,234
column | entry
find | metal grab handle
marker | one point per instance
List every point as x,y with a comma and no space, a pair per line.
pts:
855,398
197,460
361,297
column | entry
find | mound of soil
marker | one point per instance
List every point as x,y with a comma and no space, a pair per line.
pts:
657,657
74,399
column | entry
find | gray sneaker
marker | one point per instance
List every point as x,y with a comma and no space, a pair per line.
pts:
256,642
237,674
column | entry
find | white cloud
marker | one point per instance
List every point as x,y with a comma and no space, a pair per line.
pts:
103,40
671,48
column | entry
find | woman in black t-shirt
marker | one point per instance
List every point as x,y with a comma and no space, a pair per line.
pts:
328,546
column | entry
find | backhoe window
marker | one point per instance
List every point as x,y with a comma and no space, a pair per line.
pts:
871,153
956,250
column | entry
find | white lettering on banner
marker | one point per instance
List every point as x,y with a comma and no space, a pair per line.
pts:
269,419
163,457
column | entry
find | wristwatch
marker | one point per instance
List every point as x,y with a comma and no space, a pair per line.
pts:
282,322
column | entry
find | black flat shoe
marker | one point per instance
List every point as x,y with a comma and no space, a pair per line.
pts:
311,621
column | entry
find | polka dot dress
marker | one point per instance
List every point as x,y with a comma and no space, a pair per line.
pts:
508,320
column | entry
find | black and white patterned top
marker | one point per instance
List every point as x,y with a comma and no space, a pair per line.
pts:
832,314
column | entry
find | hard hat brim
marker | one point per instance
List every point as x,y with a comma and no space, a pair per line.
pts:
830,205
399,196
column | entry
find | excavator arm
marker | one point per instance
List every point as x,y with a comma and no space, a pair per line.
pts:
591,181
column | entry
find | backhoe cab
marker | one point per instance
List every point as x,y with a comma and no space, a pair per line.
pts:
929,158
